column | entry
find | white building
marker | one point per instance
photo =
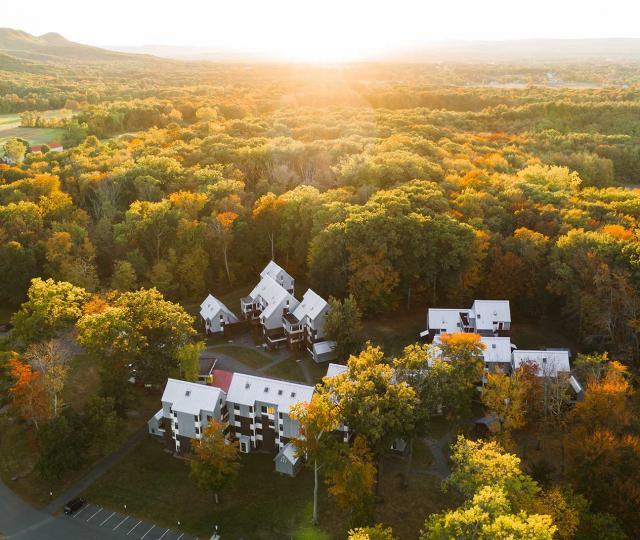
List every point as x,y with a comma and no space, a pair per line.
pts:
485,317
280,276
548,363
187,408
215,315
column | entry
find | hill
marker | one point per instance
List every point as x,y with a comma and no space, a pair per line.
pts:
54,48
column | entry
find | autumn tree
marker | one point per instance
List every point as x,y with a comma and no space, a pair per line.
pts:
28,394
505,397
222,225
51,309
377,532
267,216
215,463
50,359
14,149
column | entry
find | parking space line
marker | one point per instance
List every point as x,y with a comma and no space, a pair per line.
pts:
99,510
118,525
134,527
145,534
81,510
180,536
112,514
165,532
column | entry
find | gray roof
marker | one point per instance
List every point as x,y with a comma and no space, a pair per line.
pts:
247,389
289,452
191,398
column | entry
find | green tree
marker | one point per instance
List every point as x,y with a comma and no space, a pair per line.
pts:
343,324
124,277
63,443
215,464
103,424
188,358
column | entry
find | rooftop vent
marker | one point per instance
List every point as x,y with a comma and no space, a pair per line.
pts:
187,393
279,392
266,389
247,385
293,394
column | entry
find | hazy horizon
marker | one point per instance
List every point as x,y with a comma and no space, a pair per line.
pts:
331,31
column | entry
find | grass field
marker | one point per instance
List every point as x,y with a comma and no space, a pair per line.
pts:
10,127
395,331
261,504
291,369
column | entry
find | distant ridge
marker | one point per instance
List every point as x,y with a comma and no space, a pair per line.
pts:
54,48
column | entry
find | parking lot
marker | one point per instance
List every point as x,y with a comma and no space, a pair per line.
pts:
122,525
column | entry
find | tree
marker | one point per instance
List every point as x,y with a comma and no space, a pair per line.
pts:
377,532
50,359
351,479
488,516
223,228
372,400
215,462
464,352
505,395
27,393
141,328
103,424
343,324
188,358
63,442
318,419
14,150
484,463
267,215
51,309
124,277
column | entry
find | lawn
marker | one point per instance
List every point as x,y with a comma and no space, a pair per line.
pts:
395,331
292,369
152,483
540,334
249,357
261,504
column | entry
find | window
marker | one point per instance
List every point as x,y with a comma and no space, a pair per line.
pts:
236,407
209,418
279,392
280,415
263,408
493,345
478,316
196,417
293,394
250,408
197,431
266,389
259,431
247,385
271,410
187,393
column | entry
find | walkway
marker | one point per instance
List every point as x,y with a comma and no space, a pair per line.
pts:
440,462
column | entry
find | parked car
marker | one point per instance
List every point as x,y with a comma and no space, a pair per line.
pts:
73,506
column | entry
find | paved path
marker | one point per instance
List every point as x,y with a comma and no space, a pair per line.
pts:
440,463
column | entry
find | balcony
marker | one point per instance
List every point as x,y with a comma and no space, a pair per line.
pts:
250,308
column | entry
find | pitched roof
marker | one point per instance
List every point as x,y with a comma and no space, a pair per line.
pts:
273,294
447,319
276,272
487,311
222,379
311,306
335,369
497,349
548,362
211,306
191,398
289,452
247,389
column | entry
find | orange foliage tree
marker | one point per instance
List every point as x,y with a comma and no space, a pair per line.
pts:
28,393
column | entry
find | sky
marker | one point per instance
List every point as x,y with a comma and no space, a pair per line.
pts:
320,30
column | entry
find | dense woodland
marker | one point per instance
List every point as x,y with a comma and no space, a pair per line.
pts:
398,187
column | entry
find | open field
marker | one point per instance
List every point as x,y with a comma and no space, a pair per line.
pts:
249,357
